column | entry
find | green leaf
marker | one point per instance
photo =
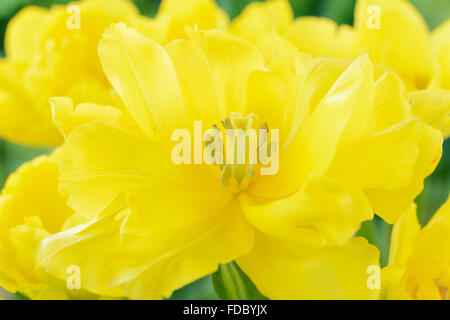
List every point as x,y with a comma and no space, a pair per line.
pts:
199,290
231,283
377,232
303,7
146,7
435,12
234,7
339,11
9,7
12,156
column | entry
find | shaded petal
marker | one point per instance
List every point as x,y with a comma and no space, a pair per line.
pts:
160,263
20,120
441,48
68,118
231,59
401,28
321,37
196,80
283,270
105,160
143,75
323,118
23,33
391,204
391,289
324,211
27,215
403,238
384,160
433,108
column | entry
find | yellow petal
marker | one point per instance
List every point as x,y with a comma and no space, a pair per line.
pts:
383,160
337,116
23,33
281,55
30,209
232,60
20,122
322,37
24,199
319,75
259,18
202,14
322,212
196,80
391,287
388,30
391,204
161,261
441,49
156,29
403,237
283,270
272,94
48,55
67,118
143,75
106,160
420,257
433,108
330,97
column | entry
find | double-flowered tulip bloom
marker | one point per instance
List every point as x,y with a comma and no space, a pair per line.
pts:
356,137
147,226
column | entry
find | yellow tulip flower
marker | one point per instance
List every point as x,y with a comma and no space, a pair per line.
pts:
153,226
50,52
419,262
31,208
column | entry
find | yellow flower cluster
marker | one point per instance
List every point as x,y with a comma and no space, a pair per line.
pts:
361,120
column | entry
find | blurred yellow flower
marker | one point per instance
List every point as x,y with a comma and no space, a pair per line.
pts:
31,209
153,226
50,52
392,32
173,16
387,30
419,263
259,18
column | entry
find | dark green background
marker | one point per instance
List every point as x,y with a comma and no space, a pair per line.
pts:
437,186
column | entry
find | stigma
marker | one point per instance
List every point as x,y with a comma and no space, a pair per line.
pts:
247,148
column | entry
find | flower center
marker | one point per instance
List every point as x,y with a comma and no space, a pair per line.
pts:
247,147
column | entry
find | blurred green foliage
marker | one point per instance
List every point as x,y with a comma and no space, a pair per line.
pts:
437,186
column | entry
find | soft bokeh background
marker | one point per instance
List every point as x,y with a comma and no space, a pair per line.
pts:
437,186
